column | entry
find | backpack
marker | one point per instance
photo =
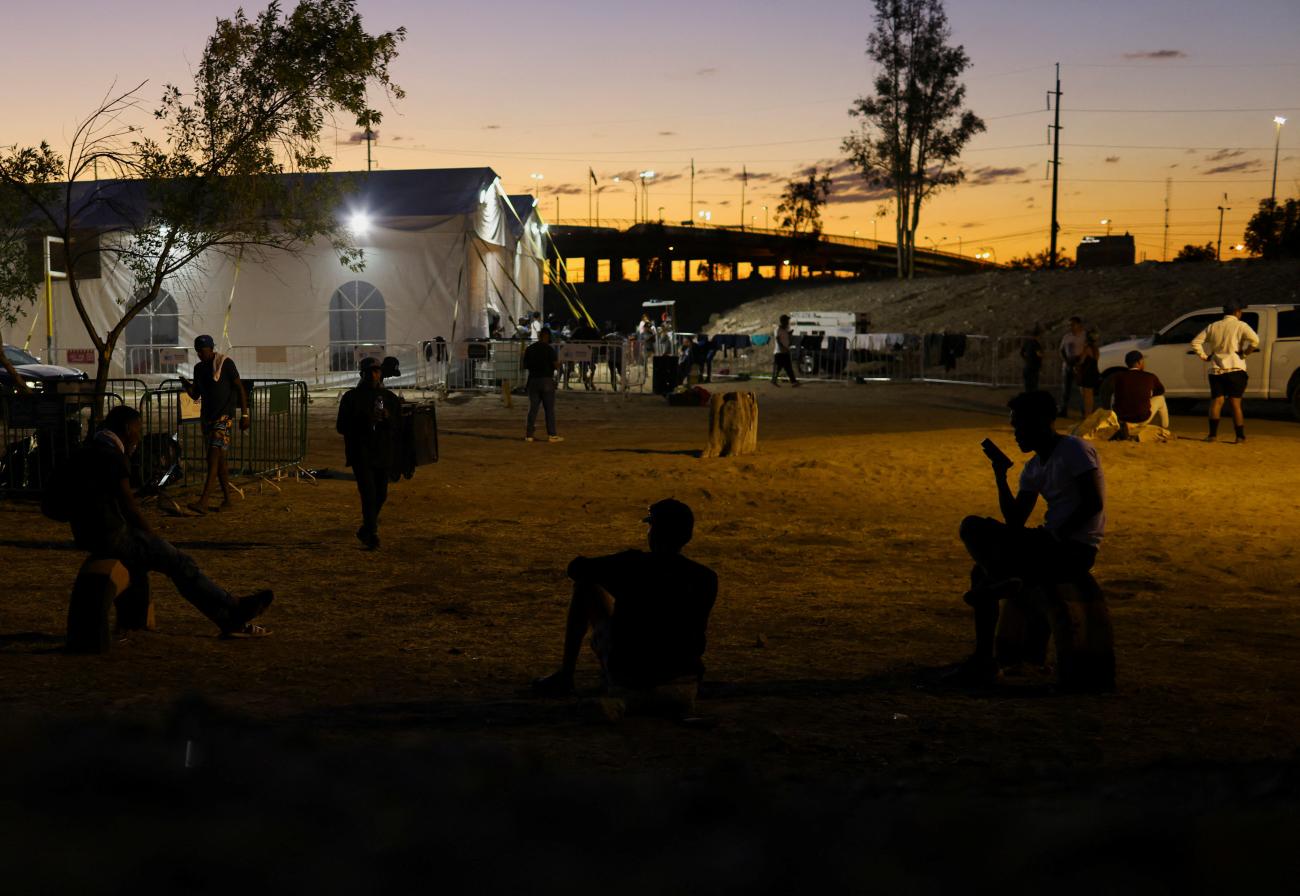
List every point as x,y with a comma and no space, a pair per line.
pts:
58,494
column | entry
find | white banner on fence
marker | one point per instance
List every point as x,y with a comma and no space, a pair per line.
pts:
575,352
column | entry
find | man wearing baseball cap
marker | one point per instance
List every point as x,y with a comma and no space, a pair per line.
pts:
368,418
647,610
218,388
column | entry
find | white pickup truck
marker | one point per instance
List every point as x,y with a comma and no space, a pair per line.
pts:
1274,369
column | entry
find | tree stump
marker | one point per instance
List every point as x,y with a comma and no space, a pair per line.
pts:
733,424
98,584
1081,629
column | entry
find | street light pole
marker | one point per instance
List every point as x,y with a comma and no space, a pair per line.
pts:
1278,121
1219,245
537,183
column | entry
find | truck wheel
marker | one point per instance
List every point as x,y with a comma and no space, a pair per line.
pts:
1295,395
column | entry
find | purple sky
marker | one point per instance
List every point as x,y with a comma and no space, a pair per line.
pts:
622,87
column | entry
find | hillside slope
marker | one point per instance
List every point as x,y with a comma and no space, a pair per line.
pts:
1118,301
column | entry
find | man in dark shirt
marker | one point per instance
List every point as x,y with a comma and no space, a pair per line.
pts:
647,611
368,418
107,523
1139,396
541,361
217,386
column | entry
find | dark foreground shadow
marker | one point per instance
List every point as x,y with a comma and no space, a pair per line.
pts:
489,436
43,545
682,452
31,642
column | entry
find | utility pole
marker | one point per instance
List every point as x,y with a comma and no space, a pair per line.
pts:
370,135
744,179
692,212
1169,186
1056,161
1219,245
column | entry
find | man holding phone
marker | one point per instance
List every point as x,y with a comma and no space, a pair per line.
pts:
1065,471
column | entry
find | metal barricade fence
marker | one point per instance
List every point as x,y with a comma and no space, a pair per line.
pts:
1010,364
600,364
276,438
491,364
280,362
39,431
957,358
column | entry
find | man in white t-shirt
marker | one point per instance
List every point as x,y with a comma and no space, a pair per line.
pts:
535,327
1008,556
1224,345
782,340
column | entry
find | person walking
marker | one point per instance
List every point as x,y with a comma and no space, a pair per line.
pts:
1224,345
1071,352
368,420
218,388
541,361
781,343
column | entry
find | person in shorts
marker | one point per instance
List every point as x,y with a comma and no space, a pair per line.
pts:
1224,345
217,386
647,611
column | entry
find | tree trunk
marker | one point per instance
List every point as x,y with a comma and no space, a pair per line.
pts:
733,424
102,363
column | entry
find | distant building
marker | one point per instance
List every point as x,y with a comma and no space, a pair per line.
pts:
1105,251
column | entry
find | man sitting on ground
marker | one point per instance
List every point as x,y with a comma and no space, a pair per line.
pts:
647,611
1008,556
1139,396
107,523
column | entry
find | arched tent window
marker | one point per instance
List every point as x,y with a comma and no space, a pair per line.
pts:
154,328
357,321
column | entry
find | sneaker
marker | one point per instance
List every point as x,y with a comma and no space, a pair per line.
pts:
557,685
247,609
1210,439
529,439
555,438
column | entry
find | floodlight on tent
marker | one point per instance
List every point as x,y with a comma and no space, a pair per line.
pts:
359,224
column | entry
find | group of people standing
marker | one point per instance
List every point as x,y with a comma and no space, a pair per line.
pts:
1138,394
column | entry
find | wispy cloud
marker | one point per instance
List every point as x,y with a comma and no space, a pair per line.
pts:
983,177
1111,160
360,136
491,127
1224,154
1249,166
567,189
667,133
1156,54
706,72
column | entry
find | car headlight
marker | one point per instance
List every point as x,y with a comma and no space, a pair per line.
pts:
34,385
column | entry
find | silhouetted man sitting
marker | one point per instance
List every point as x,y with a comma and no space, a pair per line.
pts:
1008,556
107,522
647,610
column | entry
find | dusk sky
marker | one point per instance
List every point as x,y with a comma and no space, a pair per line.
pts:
1181,89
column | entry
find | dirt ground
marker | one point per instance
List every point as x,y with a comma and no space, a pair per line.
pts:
395,680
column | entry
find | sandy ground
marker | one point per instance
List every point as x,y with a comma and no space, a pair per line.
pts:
841,577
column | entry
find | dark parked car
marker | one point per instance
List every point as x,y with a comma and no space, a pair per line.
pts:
33,372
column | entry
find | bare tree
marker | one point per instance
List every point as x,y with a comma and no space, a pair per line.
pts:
236,169
913,126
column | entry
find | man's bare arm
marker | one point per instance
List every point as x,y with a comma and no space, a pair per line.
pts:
131,510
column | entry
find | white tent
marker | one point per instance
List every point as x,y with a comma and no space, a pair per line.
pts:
446,251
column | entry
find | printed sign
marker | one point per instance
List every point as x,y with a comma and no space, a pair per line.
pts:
569,352
81,356
173,356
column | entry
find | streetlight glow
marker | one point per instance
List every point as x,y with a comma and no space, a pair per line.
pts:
1279,120
359,224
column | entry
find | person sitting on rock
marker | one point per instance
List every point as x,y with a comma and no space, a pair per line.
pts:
647,610
107,522
1139,396
1008,555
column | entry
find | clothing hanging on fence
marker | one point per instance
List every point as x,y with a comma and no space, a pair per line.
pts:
952,347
